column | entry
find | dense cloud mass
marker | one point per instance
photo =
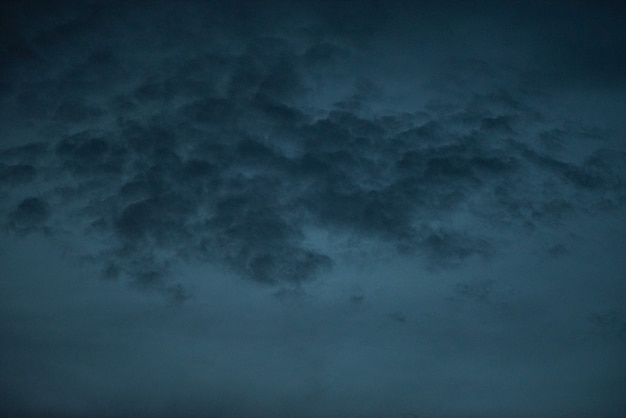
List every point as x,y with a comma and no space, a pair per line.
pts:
281,143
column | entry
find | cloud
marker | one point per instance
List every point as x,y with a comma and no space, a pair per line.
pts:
29,216
237,174
25,153
610,324
330,208
232,151
17,174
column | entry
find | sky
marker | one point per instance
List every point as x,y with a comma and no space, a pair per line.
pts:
312,209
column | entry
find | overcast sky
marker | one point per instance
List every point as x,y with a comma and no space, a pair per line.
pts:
312,209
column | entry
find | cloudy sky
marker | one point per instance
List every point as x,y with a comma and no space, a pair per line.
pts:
312,209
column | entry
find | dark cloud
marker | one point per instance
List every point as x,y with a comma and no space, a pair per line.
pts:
209,184
75,111
90,154
611,324
25,153
557,250
29,216
477,291
358,160
17,174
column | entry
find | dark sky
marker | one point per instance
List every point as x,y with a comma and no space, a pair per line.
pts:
312,209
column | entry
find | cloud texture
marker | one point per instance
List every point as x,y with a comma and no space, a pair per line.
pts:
281,143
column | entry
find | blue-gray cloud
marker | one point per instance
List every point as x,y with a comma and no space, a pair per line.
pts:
273,141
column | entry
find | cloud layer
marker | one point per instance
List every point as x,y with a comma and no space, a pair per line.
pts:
224,148
427,189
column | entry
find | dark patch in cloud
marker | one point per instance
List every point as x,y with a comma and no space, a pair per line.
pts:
154,218
558,250
30,215
477,290
357,299
579,176
18,55
610,324
445,248
398,317
259,242
88,153
323,53
74,111
25,153
14,175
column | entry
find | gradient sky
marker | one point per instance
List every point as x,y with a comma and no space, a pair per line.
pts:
312,209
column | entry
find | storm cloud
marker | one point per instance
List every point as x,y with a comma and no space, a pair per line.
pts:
339,156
